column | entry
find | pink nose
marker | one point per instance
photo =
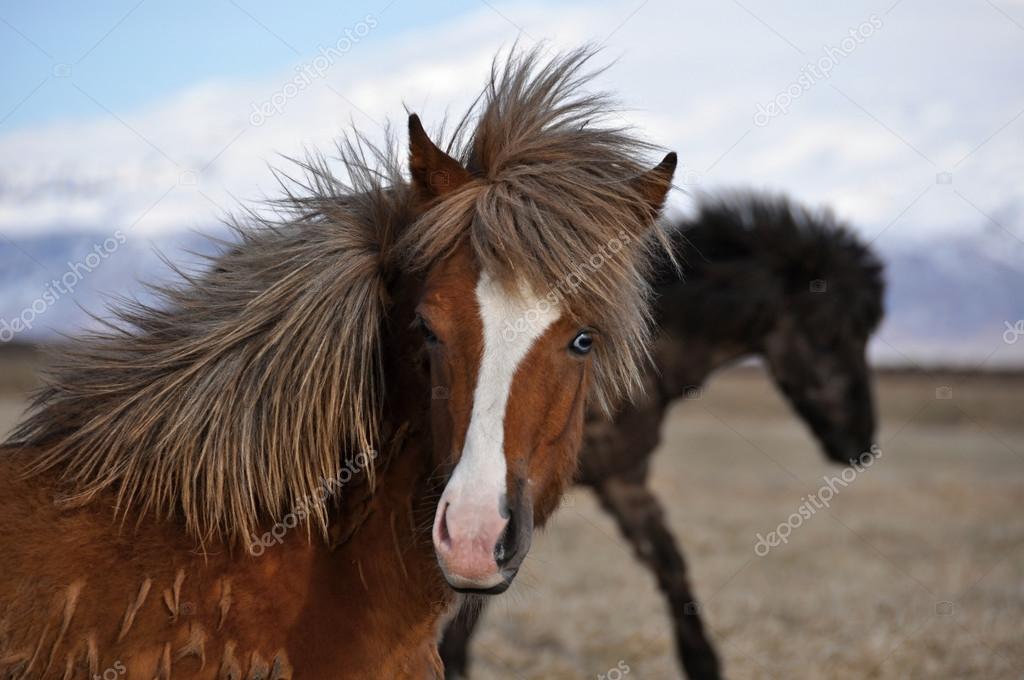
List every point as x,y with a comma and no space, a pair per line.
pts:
465,538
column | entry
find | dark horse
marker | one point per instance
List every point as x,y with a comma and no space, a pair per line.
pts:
761,277
291,467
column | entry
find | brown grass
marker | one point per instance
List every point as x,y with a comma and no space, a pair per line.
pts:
856,591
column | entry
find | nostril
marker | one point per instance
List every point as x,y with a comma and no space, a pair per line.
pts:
505,548
444,537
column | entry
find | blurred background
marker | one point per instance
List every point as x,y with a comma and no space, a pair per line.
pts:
127,127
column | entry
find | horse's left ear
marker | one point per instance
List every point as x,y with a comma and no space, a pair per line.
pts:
654,184
434,172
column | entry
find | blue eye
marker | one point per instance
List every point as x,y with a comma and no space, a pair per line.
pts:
582,343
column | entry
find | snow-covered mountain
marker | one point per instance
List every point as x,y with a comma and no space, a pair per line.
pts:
952,300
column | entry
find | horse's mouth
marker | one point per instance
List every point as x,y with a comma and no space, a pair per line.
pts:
498,583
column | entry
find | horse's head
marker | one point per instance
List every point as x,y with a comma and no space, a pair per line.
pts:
510,367
769,277
816,352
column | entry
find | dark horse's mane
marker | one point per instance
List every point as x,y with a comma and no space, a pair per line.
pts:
245,387
747,256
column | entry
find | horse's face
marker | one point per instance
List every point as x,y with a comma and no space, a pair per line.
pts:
507,413
509,377
825,376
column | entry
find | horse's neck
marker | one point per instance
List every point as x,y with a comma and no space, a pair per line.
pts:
376,583
684,362
726,354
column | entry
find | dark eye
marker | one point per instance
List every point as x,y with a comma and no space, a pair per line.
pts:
582,343
428,334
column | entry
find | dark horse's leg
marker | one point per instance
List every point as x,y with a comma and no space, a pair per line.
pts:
454,647
642,522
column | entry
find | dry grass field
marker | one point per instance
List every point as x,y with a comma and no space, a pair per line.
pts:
915,571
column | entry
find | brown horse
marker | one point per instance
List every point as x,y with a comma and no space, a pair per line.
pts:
761,277
289,467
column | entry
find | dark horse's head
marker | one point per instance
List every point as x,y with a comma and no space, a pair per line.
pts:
800,290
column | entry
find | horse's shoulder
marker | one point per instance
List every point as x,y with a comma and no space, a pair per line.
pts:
86,596
139,621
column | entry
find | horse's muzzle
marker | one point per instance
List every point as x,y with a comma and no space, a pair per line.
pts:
480,546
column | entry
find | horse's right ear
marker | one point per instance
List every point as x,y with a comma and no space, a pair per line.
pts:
434,172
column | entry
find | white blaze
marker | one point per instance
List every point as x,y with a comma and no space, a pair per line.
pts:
511,325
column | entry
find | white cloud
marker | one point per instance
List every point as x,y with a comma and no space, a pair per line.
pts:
694,76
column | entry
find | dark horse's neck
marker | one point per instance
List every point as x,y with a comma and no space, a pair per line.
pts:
684,361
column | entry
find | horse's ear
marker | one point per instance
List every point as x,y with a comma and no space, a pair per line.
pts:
654,184
434,172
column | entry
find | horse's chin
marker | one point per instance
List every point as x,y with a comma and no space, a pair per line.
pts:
847,452
493,584
493,590
467,588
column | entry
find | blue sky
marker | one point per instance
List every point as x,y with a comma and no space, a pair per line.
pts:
126,54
